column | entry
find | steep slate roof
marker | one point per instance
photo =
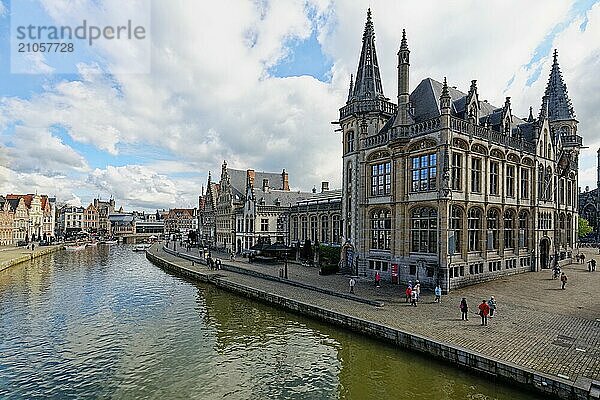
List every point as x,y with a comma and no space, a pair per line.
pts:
559,104
237,177
425,100
368,79
285,198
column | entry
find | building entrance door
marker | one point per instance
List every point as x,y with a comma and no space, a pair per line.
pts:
545,253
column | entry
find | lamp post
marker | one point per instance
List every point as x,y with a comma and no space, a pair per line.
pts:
285,269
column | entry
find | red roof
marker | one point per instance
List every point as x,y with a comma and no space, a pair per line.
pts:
26,197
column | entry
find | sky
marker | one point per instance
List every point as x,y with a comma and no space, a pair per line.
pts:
257,83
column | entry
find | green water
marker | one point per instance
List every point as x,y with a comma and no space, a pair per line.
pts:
106,323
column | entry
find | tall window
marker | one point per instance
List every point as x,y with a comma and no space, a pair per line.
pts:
424,230
493,226
349,142
264,225
304,228
381,179
561,191
456,171
541,183
474,221
313,229
349,176
523,229
456,225
509,229
569,192
476,175
524,183
561,230
295,228
324,229
510,180
381,227
424,172
336,228
494,176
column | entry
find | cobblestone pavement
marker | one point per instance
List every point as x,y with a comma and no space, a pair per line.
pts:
537,324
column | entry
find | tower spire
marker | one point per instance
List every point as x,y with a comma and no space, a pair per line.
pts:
558,102
368,80
351,87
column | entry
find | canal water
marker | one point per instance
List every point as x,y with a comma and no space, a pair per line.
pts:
106,323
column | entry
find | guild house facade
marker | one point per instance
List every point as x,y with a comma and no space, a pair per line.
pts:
444,187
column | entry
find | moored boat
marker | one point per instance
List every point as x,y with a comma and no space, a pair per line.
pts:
141,247
75,247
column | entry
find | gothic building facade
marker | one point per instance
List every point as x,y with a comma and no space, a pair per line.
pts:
446,188
589,207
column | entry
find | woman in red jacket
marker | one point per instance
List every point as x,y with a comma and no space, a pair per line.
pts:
484,310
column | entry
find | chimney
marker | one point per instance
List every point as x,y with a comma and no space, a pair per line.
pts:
265,185
324,186
250,175
285,180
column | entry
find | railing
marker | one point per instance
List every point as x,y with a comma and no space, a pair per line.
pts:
400,132
364,106
481,132
572,140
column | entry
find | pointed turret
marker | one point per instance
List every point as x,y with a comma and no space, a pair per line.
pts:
530,118
543,110
368,80
404,115
559,104
472,103
351,87
445,99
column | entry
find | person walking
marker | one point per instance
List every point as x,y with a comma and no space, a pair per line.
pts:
417,289
593,262
438,294
377,279
352,283
484,310
492,305
563,280
408,293
464,309
413,298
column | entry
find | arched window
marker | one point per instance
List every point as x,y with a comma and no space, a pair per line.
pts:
349,142
336,228
381,227
561,230
509,229
349,176
294,228
424,230
493,227
523,229
475,226
313,229
325,229
304,228
569,228
456,228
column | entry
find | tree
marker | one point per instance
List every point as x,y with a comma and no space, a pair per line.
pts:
584,227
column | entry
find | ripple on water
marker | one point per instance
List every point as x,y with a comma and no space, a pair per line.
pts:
105,323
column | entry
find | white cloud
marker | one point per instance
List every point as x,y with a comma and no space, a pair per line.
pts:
35,150
3,9
209,96
138,187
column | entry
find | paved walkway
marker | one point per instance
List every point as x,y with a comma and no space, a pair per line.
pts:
537,324
9,255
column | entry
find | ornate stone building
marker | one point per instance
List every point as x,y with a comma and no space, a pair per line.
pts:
7,216
248,207
589,207
446,188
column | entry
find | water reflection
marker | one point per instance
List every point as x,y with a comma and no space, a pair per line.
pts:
106,323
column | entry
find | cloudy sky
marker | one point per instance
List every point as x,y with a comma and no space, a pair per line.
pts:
257,83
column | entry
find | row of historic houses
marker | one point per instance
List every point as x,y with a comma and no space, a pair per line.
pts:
26,217
451,190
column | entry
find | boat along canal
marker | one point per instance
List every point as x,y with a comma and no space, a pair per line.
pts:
104,322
